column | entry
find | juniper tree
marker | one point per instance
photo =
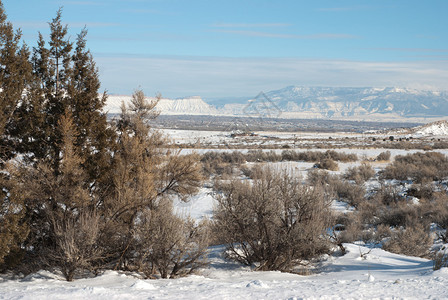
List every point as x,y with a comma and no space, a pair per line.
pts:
15,72
63,217
67,79
94,138
52,69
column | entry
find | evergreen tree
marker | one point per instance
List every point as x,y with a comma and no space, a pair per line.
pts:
15,72
52,68
94,137
62,213
66,79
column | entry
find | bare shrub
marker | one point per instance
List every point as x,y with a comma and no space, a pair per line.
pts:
384,156
318,177
440,260
421,191
323,179
262,156
352,230
419,167
144,176
335,187
220,163
387,194
366,171
247,171
398,214
169,245
382,231
341,156
328,164
436,209
316,156
368,211
360,174
413,240
76,243
237,158
345,191
273,223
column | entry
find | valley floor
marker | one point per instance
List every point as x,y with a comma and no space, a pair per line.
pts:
362,273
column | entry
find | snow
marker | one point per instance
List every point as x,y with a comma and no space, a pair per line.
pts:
437,128
362,273
341,207
361,104
198,207
378,274
189,106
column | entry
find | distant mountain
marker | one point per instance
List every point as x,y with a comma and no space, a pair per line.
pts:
338,103
346,103
186,106
182,106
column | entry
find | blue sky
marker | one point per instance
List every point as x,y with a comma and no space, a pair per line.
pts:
239,48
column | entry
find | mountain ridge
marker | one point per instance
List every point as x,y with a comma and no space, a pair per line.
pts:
338,103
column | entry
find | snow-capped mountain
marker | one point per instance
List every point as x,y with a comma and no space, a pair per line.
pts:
353,103
182,106
339,103
186,106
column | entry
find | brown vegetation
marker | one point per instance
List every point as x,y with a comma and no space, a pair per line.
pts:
413,240
418,167
273,223
360,174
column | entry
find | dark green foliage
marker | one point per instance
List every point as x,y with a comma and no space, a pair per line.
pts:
13,228
66,79
85,188
15,72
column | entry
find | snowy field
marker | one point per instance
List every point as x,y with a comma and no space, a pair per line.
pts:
420,136
362,273
379,275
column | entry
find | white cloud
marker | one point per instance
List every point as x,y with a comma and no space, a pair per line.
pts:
219,77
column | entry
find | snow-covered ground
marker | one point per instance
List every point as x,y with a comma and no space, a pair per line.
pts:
433,129
379,275
359,274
